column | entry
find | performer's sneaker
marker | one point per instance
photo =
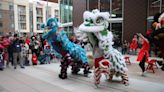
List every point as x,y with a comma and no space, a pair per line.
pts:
15,67
143,74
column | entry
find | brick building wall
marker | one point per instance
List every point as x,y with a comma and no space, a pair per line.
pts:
135,15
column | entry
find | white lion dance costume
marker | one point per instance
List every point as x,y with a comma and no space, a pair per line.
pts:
95,30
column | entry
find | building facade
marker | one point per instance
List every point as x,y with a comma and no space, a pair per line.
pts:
22,16
132,16
6,16
42,11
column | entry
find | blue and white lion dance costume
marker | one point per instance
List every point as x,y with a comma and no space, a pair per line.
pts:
69,52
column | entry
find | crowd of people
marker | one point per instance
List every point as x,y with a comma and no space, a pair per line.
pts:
23,50
136,44
28,50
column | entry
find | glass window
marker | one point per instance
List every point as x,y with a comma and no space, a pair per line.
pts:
117,33
22,17
93,4
38,27
162,6
105,5
11,7
39,11
12,25
21,9
66,8
154,7
117,7
49,12
57,13
11,17
66,11
22,26
39,17
70,10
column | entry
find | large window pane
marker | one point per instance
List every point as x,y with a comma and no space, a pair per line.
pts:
105,5
117,32
154,7
62,7
66,11
66,14
117,7
162,6
93,4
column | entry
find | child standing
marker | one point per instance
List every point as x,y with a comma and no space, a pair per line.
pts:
34,59
134,45
47,51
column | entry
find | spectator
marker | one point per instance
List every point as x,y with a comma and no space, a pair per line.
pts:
27,40
6,43
34,59
125,47
47,51
35,46
134,45
17,52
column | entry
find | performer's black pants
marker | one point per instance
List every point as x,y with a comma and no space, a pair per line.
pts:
142,63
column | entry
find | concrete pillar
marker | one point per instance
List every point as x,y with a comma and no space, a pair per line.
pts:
79,6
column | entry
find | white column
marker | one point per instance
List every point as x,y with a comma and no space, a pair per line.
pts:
27,19
16,17
34,18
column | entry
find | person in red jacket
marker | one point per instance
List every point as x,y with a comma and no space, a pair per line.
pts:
143,53
27,41
133,44
34,59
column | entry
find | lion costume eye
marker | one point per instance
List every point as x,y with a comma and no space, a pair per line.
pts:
99,20
89,20
86,20
53,24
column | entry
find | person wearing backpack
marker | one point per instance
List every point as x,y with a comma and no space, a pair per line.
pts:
17,52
